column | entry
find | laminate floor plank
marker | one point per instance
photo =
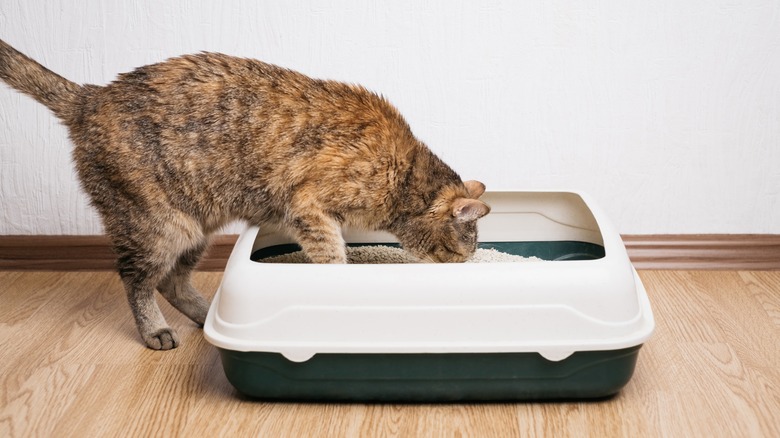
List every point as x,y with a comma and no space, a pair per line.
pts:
73,365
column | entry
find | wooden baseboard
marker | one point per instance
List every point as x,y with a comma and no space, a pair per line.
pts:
704,251
85,253
677,251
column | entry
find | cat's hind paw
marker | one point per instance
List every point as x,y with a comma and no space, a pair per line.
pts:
163,339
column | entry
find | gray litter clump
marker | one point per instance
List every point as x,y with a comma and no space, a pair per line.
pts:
377,254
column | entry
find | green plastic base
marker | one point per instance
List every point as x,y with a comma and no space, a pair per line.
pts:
430,377
445,377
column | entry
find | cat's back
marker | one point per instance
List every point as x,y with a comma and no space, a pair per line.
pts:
210,72
208,76
199,82
172,123
216,91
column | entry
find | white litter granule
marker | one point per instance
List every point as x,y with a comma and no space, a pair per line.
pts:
376,254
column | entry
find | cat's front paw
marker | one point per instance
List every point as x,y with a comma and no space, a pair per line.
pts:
163,339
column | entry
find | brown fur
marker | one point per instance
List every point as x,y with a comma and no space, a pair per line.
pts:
172,151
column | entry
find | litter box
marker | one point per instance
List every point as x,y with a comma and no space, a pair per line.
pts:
568,327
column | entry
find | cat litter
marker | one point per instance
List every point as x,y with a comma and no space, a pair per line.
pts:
374,254
567,328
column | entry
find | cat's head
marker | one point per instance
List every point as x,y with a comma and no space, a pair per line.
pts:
446,231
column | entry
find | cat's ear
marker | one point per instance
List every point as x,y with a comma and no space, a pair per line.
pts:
475,188
467,209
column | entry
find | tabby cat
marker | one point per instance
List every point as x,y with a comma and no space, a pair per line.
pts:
171,152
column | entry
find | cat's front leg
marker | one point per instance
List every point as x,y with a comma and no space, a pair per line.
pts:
319,236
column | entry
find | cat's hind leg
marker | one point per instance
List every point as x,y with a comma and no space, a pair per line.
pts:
146,256
178,290
140,275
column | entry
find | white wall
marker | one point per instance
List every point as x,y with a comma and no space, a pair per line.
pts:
668,112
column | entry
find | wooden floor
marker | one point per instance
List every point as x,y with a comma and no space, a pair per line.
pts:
72,364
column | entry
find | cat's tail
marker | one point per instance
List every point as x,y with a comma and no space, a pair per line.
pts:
45,86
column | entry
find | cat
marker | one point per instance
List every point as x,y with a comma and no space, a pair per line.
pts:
171,152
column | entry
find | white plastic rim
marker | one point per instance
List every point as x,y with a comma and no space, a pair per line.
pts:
550,308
